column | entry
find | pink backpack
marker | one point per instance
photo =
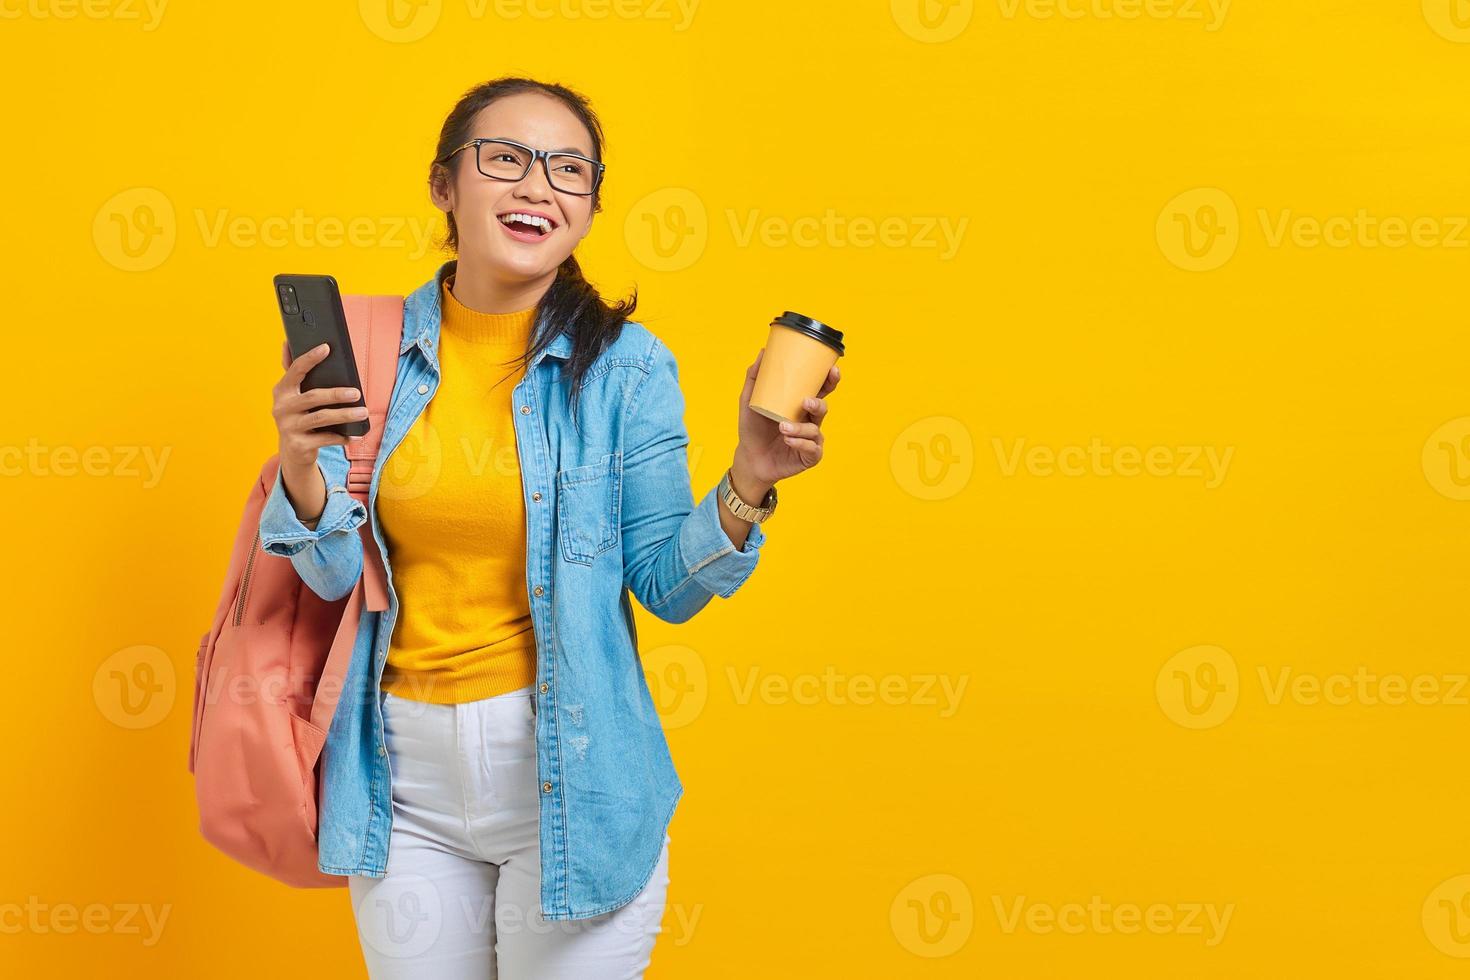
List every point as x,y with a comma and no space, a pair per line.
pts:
269,672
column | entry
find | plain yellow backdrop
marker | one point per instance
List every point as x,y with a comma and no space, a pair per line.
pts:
1119,634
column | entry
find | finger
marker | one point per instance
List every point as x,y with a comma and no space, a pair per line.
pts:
833,376
317,440
801,430
816,408
307,422
315,397
285,354
296,372
332,416
809,450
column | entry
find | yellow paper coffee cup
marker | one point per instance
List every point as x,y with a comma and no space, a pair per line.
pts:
799,353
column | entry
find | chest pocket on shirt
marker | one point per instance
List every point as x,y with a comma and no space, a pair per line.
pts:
589,508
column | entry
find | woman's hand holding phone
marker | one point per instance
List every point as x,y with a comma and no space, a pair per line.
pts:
299,415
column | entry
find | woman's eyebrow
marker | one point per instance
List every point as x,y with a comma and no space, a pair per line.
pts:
560,149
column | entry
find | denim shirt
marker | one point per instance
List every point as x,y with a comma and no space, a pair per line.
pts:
609,510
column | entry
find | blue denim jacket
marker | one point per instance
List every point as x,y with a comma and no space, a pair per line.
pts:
609,509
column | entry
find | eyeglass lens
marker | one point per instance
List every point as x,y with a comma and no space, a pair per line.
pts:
507,161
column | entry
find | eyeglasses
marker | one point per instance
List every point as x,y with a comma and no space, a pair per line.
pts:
498,159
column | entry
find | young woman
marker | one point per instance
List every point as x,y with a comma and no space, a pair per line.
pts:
496,782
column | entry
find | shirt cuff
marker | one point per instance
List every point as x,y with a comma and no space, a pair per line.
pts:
710,556
281,533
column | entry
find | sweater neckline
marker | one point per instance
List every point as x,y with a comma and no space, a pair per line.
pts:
501,329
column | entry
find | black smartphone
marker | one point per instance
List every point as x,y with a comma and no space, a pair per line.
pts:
311,309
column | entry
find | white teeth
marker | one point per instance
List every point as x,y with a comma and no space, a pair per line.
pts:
529,219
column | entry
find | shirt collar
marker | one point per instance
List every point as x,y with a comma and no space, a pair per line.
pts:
423,312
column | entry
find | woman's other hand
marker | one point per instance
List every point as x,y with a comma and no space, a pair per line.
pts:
771,451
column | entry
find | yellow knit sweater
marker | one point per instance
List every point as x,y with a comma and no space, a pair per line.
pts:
450,504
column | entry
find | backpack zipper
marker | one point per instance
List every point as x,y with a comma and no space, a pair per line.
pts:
245,581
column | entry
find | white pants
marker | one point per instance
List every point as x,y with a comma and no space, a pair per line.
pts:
462,898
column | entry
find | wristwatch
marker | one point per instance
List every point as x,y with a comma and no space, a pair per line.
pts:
740,508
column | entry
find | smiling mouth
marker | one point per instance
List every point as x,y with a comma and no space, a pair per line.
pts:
533,225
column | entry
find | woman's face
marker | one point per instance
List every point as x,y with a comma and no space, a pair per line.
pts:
479,202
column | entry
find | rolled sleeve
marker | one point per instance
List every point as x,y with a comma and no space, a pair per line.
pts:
709,554
676,555
328,557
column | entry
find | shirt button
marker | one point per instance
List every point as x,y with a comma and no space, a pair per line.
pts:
536,495
538,591
545,687
525,409
423,389
382,750
546,787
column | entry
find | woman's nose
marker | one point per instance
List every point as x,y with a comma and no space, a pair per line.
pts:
535,185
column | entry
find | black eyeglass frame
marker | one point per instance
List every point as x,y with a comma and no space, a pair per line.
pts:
543,155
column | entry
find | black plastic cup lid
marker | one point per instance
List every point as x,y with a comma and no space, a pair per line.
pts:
815,329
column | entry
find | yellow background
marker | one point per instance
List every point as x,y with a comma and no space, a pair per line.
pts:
1080,608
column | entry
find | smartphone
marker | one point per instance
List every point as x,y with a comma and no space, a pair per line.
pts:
311,309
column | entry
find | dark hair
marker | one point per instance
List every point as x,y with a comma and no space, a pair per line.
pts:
571,301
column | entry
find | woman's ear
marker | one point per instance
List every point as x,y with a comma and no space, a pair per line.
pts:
441,188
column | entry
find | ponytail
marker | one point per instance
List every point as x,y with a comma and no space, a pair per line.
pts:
575,305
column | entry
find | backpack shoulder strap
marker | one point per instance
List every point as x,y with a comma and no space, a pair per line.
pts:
375,324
